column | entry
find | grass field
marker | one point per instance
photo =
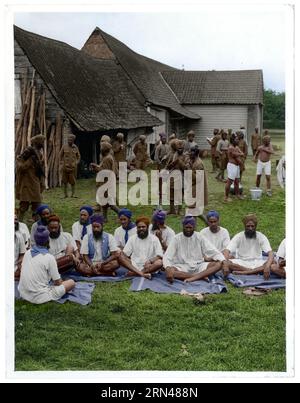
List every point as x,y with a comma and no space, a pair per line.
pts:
122,330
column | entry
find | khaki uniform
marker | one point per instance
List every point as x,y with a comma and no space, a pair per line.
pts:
69,157
119,150
255,142
142,158
29,180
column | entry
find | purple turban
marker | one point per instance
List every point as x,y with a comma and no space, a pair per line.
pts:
159,216
189,219
98,218
124,211
162,135
41,235
88,209
212,213
41,208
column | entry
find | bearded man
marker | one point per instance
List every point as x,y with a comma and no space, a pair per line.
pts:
248,246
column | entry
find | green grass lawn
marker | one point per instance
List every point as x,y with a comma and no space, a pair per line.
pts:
123,330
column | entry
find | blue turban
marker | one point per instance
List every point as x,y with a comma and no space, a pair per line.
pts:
98,219
162,135
89,209
124,211
212,213
41,208
189,219
159,216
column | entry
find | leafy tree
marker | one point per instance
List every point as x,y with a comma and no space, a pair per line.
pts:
274,109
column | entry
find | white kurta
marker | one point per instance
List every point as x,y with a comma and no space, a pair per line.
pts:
120,235
187,253
248,251
281,250
77,230
25,232
58,246
84,250
142,250
219,239
36,274
20,247
167,234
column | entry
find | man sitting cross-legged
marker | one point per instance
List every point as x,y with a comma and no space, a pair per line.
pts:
142,253
159,228
39,267
184,258
278,267
215,234
126,229
99,251
248,247
83,226
62,246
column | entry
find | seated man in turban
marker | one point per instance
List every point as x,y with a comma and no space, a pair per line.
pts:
184,258
126,229
158,228
22,229
248,246
278,267
43,211
216,234
99,251
143,253
39,267
62,246
83,226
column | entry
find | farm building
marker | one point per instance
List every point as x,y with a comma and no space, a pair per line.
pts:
106,87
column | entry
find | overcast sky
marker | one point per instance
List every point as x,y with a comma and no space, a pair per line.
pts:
213,38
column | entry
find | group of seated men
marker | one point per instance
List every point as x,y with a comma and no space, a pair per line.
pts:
142,247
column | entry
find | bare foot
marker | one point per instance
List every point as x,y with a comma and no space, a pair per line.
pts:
170,275
147,275
227,200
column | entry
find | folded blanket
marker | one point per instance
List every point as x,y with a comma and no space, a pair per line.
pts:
81,294
160,284
256,280
120,276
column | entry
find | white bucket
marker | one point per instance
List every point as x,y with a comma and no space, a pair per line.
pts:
255,193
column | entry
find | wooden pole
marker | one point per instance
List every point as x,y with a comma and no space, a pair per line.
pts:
31,115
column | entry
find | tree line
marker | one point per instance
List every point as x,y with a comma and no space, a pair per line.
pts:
274,109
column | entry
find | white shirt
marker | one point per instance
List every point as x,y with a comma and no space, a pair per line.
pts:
190,251
20,247
142,250
35,276
77,230
84,250
120,235
219,239
59,245
167,234
281,250
249,248
25,232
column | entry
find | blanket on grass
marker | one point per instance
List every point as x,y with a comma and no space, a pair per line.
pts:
160,284
120,276
257,281
81,294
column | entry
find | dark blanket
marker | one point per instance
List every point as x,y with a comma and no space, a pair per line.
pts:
256,280
120,276
81,294
160,284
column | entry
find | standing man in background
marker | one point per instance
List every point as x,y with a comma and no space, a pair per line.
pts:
69,157
255,141
213,144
